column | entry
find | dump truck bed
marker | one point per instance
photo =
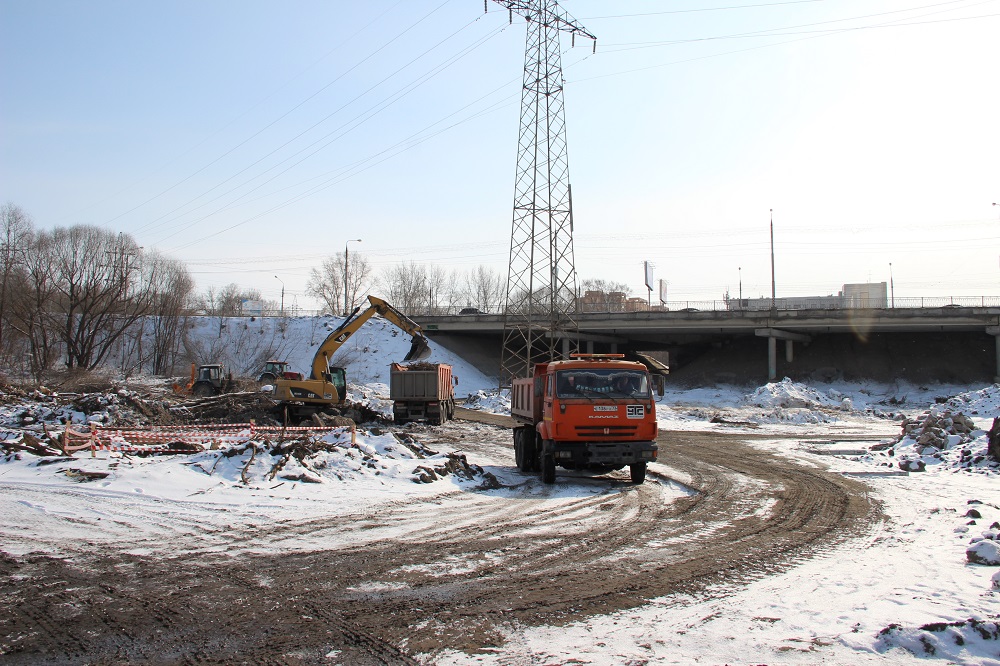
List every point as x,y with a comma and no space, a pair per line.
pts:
420,381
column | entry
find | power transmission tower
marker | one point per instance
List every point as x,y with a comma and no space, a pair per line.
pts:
541,282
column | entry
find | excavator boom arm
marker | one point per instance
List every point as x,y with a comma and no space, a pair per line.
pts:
351,325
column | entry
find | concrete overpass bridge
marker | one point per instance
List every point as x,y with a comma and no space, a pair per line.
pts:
925,330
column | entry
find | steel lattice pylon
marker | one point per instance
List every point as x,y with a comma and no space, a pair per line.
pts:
541,283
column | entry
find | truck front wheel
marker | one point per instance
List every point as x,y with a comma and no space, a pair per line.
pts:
548,466
638,471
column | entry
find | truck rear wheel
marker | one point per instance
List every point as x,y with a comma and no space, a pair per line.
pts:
532,450
528,451
519,448
638,471
548,468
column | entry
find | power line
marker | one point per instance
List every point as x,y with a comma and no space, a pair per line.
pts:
702,9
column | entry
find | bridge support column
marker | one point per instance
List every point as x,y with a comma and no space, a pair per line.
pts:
995,332
996,377
773,335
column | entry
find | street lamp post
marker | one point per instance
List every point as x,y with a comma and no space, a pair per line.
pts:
773,288
282,295
892,287
740,271
346,306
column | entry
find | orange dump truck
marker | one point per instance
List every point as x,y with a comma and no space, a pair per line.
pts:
592,412
422,392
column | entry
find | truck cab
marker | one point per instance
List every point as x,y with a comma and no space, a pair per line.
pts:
591,412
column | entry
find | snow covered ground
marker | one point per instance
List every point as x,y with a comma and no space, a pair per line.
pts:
906,589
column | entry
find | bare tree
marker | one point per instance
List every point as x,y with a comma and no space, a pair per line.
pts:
31,298
484,289
442,289
98,280
327,283
405,286
172,286
16,235
359,280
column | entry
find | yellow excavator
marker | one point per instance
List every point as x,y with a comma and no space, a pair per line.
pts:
327,386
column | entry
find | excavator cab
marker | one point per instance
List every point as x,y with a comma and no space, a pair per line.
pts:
338,377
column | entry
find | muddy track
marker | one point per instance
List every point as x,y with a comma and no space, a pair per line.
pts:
457,571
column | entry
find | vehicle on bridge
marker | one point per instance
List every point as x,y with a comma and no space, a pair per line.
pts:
592,412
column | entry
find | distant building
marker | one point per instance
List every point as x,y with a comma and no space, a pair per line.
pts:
865,295
862,295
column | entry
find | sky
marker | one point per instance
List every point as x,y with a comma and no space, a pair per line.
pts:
252,140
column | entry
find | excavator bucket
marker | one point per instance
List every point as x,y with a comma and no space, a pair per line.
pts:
418,350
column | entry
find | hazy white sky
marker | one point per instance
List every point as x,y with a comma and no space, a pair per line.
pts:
252,139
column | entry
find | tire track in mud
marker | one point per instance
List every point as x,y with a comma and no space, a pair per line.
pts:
454,571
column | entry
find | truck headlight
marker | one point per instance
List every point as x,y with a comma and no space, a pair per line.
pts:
649,455
563,454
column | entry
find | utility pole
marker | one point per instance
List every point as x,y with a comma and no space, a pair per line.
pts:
892,287
773,289
541,280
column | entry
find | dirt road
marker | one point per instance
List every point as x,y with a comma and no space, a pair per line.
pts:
470,566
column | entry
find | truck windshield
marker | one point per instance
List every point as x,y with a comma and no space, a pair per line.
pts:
613,382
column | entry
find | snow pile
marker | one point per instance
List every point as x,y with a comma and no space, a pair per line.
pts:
939,439
496,401
983,403
789,394
33,411
373,396
334,457
953,641
984,549
374,458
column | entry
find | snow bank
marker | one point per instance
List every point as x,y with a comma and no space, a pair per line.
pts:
954,641
494,401
938,439
984,403
787,393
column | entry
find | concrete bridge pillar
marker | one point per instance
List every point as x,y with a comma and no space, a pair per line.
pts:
773,335
995,332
